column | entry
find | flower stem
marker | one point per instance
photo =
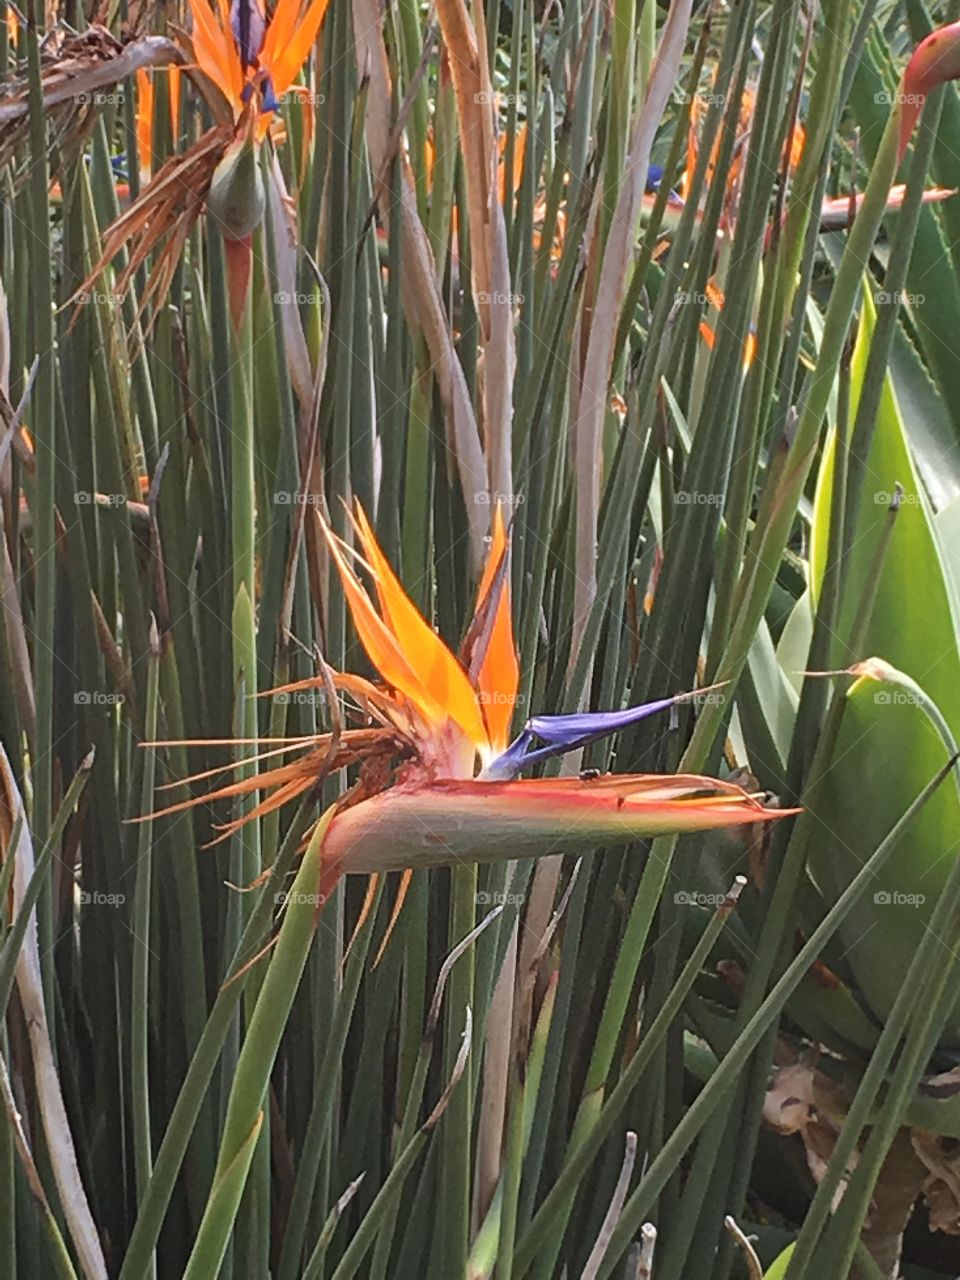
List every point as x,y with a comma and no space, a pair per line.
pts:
255,1063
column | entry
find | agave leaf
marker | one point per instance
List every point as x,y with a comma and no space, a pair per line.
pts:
932,430
882,931
948,527
914,627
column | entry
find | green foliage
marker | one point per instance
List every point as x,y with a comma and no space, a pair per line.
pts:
723,464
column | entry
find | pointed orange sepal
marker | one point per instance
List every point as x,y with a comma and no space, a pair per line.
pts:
436,668
499,676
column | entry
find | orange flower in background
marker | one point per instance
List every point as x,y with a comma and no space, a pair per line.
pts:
243,62
716,299
145,109
243,54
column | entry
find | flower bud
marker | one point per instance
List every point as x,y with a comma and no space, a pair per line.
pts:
236,198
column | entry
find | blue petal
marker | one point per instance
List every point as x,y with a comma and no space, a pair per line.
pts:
559,734
270,100
249,29
654,176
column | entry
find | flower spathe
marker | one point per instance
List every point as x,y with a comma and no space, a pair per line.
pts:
451,821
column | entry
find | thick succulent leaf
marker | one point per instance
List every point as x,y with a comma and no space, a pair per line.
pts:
932,434
794,643
948,528
866,789
914,620
872,779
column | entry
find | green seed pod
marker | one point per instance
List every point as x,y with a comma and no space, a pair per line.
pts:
236,199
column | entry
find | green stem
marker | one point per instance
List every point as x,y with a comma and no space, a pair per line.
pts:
140,993
257,1055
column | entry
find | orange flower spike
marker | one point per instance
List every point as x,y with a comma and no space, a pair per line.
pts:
437,669
499,676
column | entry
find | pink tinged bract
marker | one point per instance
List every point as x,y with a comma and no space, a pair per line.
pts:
935,60
450,821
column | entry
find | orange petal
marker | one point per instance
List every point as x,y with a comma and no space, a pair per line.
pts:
216,51
380,643
287,51
437,669
279,32
174,100
499,676
714,295
145,120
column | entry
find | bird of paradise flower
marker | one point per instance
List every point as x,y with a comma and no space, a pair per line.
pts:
244,64
438,780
